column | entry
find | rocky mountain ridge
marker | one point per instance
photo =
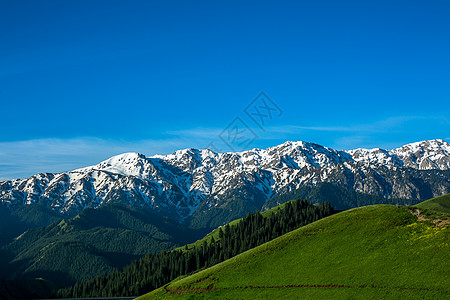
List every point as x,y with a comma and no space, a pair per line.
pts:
190,182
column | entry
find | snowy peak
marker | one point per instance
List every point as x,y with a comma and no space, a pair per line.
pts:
430,154
429,147
316,155
375,156
193,180
127,164
425,155
436,144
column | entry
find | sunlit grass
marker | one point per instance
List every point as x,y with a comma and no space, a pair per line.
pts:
379,251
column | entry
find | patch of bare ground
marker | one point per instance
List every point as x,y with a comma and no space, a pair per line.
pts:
439,220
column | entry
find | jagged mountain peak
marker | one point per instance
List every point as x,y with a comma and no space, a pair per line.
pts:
424,155
124,157
192,153
126,164
436,145
191,180
297,144
429,154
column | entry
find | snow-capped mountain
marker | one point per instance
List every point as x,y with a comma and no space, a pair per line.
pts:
191,181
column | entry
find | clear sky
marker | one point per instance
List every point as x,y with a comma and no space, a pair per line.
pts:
81,81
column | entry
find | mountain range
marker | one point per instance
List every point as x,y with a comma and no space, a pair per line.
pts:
206,189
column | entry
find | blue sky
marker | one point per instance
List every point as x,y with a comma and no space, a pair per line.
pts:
81,81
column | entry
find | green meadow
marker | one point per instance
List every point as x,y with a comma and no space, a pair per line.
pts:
439,204
372,252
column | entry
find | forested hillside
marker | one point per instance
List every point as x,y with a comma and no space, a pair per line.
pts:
339,197
93,243
153,271
14,223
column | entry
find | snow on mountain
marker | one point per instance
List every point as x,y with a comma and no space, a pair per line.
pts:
425,155
199,180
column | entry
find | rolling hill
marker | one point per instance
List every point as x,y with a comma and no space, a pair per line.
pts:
379,251
438,204
153,271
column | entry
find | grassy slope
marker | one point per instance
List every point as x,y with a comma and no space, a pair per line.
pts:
369,252
439,204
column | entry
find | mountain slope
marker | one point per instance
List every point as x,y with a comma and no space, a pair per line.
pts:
153,271
25,289
364,253
438,204
201,186
14,223
92,243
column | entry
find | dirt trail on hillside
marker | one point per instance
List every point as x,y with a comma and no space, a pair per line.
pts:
439,220
212,288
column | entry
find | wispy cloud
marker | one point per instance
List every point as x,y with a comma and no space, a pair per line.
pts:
376,126
389,133
198,133
19,159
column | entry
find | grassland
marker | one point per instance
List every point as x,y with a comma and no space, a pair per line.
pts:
373,252
439,204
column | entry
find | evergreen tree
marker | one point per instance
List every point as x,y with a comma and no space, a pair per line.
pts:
153,271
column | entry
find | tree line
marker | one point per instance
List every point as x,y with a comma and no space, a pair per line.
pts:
153,271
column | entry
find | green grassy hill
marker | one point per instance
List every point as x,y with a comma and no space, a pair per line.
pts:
438,204
154,271
372,252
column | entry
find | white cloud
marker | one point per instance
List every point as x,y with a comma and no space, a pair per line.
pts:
19,159
22,159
